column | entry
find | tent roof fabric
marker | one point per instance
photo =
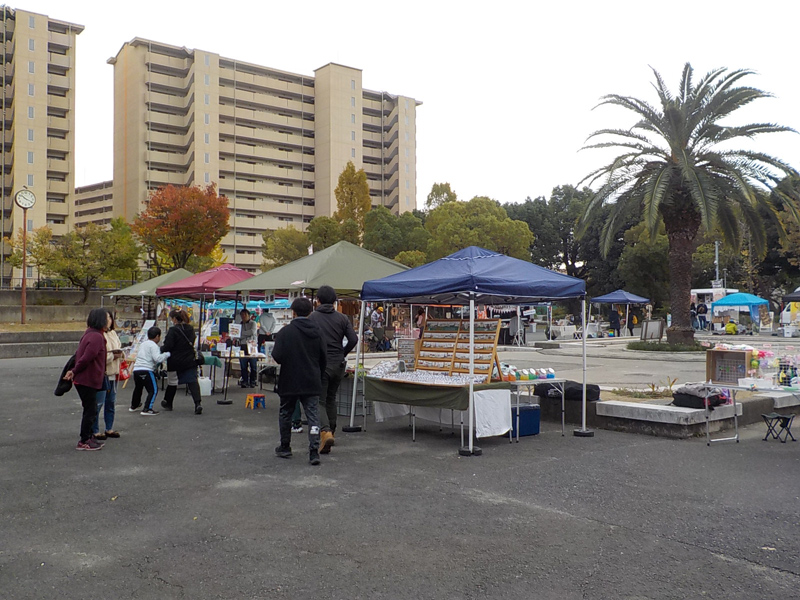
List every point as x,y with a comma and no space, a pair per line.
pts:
620,297
344,266
492,277
205,284
741,299
148,288
793,297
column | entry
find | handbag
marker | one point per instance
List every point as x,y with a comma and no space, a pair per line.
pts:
199,359
124,371
63,385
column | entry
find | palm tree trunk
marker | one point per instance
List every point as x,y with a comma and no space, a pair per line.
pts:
682,227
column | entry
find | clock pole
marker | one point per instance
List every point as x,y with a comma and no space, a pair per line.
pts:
24,260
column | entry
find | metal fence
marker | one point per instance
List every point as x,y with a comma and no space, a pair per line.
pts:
57,284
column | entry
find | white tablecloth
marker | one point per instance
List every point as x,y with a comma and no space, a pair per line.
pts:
492,413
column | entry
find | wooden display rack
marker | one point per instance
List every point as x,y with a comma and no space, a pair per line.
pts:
444,347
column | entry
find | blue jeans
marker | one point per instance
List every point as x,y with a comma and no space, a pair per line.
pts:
244,363
107,402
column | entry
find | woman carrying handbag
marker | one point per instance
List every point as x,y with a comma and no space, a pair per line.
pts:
182,362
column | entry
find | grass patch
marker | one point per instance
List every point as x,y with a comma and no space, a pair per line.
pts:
665,347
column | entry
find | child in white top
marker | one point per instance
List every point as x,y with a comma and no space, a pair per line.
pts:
147,359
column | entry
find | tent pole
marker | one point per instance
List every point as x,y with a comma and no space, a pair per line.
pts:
353,428
627,310
583,432
471,449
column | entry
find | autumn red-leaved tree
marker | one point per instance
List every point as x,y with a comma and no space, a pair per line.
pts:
180,222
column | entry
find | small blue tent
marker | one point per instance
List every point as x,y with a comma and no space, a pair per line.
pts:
490,277
741,300
620,297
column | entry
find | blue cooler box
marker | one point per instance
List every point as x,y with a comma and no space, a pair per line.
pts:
528,419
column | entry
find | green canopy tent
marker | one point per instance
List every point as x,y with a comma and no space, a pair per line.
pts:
344,266
147,289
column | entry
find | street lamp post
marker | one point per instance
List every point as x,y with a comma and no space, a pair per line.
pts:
25,199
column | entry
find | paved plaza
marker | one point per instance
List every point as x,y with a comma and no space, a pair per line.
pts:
185,506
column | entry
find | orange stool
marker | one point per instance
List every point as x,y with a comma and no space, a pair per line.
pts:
255,400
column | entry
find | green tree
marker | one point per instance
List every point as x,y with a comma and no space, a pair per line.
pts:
83,256
323,232
283,246
679,166
643,265
440,193
479,222
181,221
351,232
382,233
352,197
411,258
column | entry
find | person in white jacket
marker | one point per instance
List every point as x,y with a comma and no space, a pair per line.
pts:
147,359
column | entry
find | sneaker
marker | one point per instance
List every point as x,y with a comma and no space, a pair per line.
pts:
135,408
198,410
313,457
297,429
112,434
283,452
100,436
165,406
94,444
86,446
149,413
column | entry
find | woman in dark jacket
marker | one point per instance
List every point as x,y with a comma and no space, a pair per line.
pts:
89,373
182,363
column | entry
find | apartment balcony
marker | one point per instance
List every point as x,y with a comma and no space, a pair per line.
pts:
165,119
58,165
56,209
296,176
61,60
58,187
258,117
269,83
61,39
168,158
261,137
161,178
179,83
61,102
59,81
172,139
270,188
58,123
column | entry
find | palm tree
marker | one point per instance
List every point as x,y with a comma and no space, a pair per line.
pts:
677,166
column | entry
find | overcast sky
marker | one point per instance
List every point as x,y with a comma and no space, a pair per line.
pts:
507,88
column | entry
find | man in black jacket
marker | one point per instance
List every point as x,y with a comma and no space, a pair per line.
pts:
335,327
300,351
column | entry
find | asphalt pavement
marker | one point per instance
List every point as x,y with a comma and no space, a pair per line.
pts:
185,506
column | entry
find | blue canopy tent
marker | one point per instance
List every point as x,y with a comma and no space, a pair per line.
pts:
478,275
620,297
740,301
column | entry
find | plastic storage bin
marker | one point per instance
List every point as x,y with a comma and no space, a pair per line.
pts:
529,417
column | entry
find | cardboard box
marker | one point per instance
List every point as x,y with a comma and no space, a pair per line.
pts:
727,366
529,419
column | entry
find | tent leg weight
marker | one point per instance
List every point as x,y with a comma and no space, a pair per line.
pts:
355,429
465,451
583,433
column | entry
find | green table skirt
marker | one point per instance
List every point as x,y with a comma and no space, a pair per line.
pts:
418,394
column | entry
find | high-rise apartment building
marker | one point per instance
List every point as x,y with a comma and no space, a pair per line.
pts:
273,142
38,124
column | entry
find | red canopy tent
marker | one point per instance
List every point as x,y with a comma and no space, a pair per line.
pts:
205,284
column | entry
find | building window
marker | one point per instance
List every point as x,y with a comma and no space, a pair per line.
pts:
29,272
206,99
352,84
206,119
31,44
30,158
32,22
353,136
406,109
406,152
407,201
353,152
207,79
207,138
207,158
406,136
353,118
30,224
31,89
30,180
30,112
31,67
207,178
352,100
406,183
30,134
406,167
207,59
406,119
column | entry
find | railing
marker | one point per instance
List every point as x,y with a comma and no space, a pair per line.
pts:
54,283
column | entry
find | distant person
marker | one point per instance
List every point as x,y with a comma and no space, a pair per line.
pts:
613,322
182,362
702,311
88,374
248,365
144,378
335,328
377,318
266,327
300,351
693,315
419,320
107,396
632,322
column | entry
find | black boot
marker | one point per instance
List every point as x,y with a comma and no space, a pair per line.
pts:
169,397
